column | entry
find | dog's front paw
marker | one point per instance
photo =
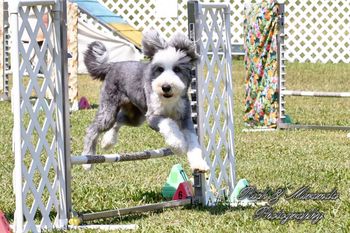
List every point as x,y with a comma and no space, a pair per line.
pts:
177,144
196,161
200,165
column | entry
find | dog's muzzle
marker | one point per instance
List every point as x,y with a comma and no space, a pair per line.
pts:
167,93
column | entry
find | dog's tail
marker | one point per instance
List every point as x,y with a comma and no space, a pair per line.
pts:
96,60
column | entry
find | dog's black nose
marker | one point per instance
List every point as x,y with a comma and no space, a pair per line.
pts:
166,88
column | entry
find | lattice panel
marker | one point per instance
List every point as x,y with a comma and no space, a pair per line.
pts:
142,14
318,31
215,98
40,136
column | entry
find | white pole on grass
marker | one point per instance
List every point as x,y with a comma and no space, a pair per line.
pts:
16,108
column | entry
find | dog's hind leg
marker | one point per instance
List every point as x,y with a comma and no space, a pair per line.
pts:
109,138
128,115
104,120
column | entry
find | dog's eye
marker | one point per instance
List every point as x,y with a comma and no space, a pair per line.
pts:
176,69
160,69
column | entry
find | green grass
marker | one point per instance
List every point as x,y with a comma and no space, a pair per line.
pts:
287,159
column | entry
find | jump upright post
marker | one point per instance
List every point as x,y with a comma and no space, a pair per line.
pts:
266,92
42,175
5,66
283,92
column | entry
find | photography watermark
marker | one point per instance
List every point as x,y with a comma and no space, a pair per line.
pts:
269,213
273,196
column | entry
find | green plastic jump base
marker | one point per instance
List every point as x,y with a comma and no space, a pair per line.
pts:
177,175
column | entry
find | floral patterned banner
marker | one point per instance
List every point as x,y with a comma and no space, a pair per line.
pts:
260,43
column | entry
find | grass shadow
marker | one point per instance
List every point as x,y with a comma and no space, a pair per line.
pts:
218,209
147,197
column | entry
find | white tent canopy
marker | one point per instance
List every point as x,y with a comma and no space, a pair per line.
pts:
119,49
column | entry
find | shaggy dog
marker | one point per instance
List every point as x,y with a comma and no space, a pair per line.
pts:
155,91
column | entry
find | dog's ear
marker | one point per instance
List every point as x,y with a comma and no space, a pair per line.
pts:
152,42
181,42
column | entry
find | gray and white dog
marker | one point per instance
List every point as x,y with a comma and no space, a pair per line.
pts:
155,91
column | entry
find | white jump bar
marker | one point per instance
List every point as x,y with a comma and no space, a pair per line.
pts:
315,93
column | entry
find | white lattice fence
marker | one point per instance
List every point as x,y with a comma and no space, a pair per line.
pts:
318,31
142,14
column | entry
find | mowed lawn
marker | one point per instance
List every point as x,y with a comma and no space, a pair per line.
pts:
281,159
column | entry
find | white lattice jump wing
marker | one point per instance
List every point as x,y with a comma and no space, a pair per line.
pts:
39,179
215,97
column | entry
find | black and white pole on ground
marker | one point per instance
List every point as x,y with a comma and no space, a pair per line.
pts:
112,158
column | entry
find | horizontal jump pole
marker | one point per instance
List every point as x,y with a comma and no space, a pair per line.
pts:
316,93
259,129
133,210
214,5
323,127
112,158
